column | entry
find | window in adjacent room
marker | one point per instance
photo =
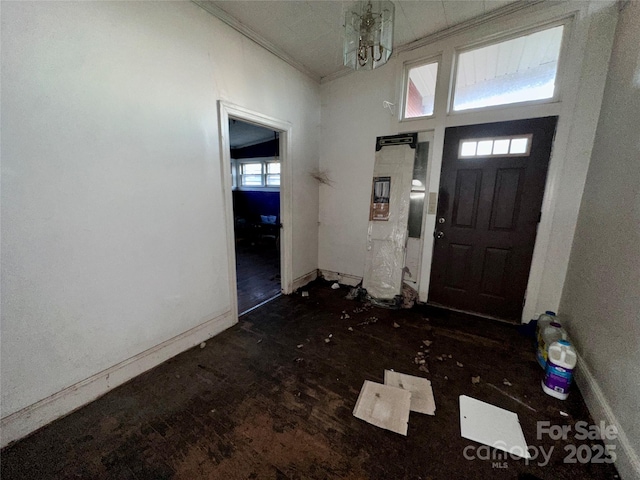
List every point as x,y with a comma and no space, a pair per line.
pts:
273,174
258,173
251,174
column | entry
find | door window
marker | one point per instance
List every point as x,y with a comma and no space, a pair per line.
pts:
516,146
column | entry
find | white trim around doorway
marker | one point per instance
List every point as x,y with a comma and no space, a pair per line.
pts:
226,111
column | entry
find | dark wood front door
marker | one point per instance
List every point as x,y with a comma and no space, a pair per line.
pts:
491,190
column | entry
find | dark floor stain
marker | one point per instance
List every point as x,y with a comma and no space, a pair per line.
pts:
271,399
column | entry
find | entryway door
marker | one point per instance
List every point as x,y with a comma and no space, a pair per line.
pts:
491,189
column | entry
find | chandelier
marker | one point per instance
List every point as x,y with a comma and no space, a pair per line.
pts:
368,41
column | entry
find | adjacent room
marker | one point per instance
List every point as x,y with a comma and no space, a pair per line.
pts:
255,167
320,239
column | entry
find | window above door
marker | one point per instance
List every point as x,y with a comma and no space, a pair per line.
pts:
420,91
518,70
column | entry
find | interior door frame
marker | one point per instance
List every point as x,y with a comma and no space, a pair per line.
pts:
227,111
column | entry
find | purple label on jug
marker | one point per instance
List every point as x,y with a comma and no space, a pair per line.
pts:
558,378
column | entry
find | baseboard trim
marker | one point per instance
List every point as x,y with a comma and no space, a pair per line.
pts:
23,422
305,279
343,278
628,461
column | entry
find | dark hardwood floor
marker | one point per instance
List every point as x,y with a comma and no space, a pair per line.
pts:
271,399
258,272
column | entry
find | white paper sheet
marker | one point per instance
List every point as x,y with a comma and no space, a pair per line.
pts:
492,426
383,406
422,400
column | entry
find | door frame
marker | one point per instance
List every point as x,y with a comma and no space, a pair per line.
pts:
549,201
227,111
427,136
549,178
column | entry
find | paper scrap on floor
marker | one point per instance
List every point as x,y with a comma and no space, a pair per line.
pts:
493,426
422,400
384,406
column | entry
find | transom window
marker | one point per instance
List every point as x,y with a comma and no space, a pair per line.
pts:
522,69
515,146
421,90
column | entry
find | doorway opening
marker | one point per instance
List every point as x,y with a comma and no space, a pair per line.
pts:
279,133
256,172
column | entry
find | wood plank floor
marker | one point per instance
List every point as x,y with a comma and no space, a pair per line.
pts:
258,273
270,399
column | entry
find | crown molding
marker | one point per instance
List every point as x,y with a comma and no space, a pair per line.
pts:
255,37
434,37
469,24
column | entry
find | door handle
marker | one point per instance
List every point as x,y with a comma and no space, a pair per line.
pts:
439,234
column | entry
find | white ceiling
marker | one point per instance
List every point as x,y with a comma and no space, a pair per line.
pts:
309,34
242,134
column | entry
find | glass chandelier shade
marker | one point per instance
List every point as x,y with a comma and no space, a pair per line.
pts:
368,41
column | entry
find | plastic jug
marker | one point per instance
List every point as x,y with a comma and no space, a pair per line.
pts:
543,321
560,366
549,334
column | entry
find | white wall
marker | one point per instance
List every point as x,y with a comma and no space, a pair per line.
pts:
601,300
353,115
352,118
113,237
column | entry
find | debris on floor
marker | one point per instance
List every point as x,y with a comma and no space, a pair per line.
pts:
384,406
300,345
305,293
203,344
354,293
344,315
493,426
350,329
422,400
459,364
335,286
564,414
427,343
368,321
409,296
507,382
420,360
395,325
475,380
